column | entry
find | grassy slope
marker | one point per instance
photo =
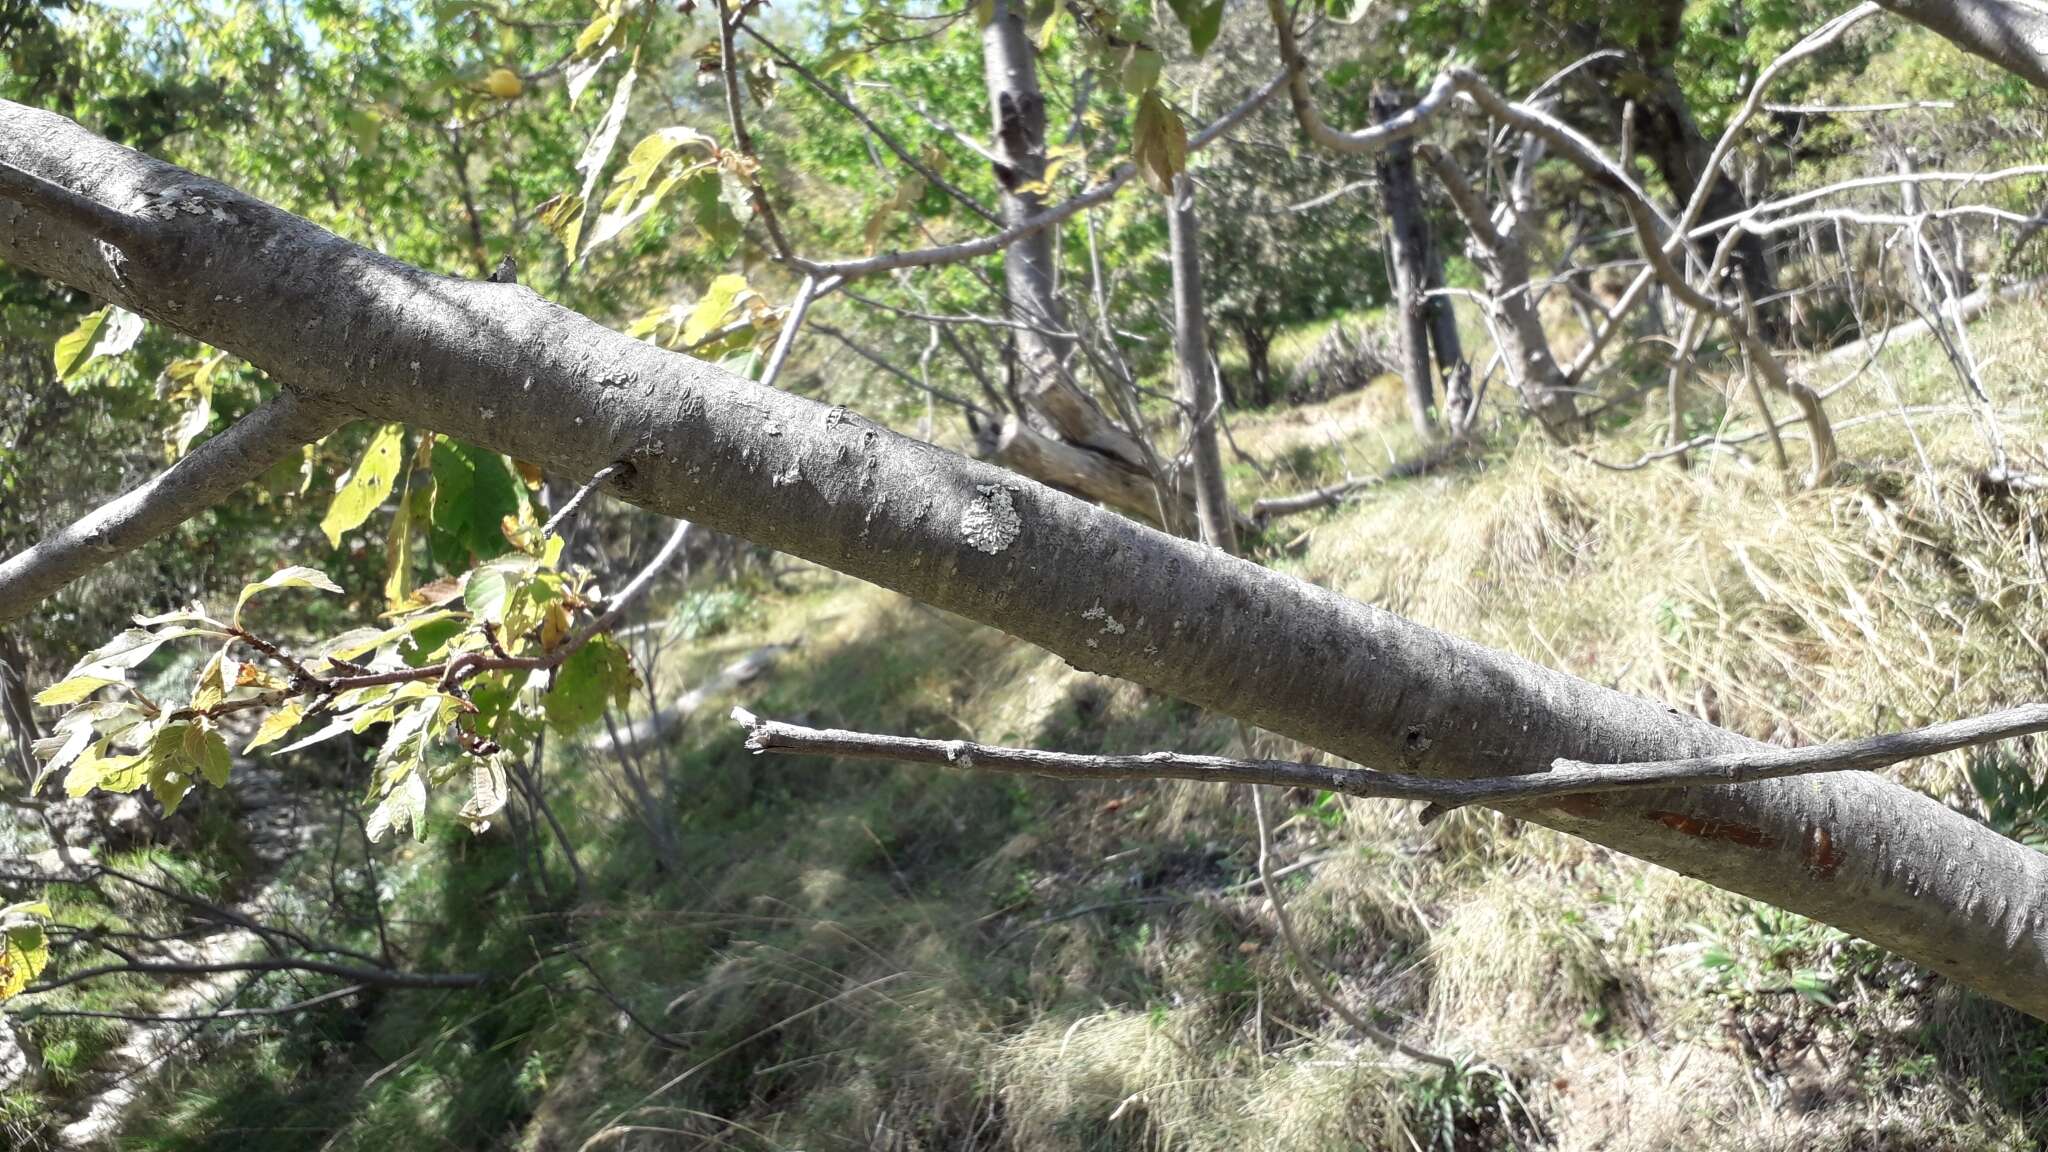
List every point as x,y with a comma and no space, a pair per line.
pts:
862,956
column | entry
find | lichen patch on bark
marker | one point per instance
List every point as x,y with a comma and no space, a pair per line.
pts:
990,522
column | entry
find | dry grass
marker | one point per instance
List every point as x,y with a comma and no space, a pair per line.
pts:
1085,967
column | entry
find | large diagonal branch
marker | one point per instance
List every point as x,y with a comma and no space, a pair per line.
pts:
2012,34
201,480
499,366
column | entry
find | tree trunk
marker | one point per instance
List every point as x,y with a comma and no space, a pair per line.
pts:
1449,349
1667,134
1408,246
513,373
1191,350
1044,386
1496,244
1258,361
17,709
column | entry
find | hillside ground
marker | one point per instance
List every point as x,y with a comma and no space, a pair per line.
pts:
854,955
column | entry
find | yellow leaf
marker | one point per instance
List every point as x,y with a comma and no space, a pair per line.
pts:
275,726
364,490
23,953
295,576
504,83
72,347
74,689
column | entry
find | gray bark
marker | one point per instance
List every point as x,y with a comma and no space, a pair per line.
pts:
1213,511
1408,250
506,369
2012,34
195,483
17,709
1495,240
1017,107
1448,348
1090,475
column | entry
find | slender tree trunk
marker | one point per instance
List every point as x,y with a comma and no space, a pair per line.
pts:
1044,386
1258,362
1449,349
1191,350
1408,244
516,374
1496,243
17,708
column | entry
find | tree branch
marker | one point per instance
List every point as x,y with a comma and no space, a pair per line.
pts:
1565,777
513,373
1065,210
2012,34
204,478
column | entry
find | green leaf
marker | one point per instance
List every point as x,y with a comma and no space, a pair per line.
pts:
72,347
1051,25
296,576
490,587
474,490
711,211
211,754
1141,70
1207,22
364,490
599,671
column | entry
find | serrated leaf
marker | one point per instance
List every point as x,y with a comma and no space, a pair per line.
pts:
725,296
72,689
96,769
275,726
333,729
473,492
24,952
295,576
487,793
403,806
211,687
212,756
74,347
365,489
597,673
